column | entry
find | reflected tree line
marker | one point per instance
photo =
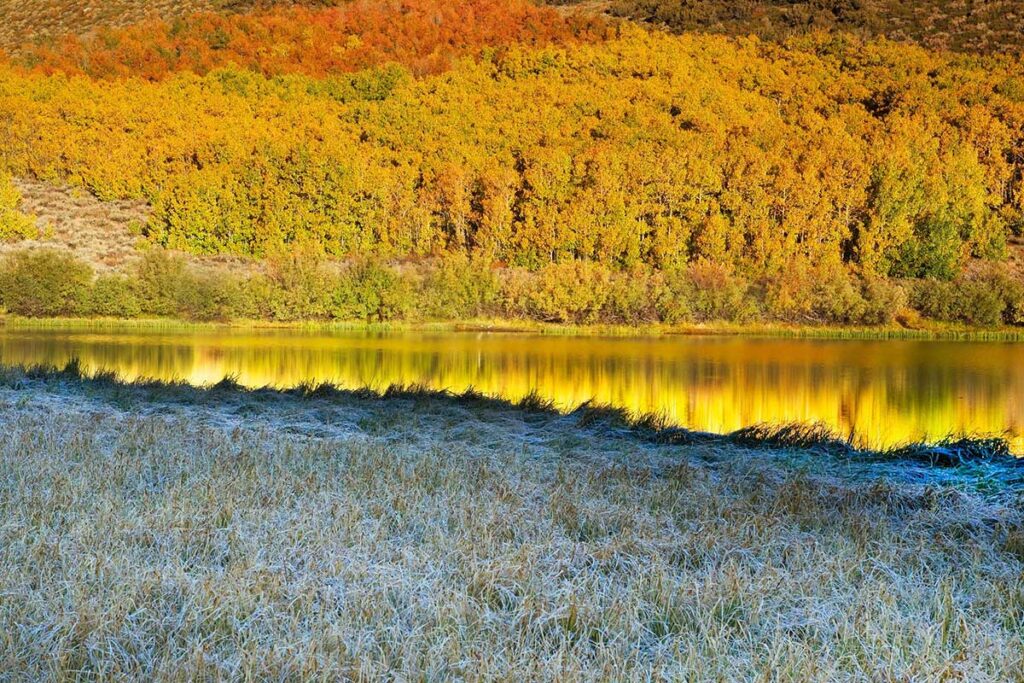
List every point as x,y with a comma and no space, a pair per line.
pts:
883,392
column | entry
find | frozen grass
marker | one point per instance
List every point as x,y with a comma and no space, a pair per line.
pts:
157,531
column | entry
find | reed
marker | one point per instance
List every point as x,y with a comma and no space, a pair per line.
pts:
936,331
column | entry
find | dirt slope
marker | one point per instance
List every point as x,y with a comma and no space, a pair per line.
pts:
29,20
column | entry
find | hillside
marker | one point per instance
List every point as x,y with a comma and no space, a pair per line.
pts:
29,20
425,36
648,149
962,25
572,169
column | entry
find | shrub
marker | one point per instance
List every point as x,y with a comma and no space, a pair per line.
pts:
935,299
459,288
514,295
255,295
572,292
165,286
44,283
883,301
803,293
837,298
159,280
978,304
710,291
209,297
114,296
987,297
298,286
371,291
787,296
633,297
993,295
672,305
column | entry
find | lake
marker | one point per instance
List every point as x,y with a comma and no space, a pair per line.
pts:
883,392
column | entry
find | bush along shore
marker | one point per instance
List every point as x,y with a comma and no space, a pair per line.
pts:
299,286
168,532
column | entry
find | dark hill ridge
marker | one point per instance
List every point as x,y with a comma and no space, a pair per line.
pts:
961,25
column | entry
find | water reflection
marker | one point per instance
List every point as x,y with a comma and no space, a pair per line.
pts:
885,392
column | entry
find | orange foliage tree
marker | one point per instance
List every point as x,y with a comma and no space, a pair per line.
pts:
423,35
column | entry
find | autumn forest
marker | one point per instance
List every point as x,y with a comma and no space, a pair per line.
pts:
420,159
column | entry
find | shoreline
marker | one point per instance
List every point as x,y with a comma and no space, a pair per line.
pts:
765,330
816,441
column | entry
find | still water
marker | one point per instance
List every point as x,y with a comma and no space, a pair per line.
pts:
883,392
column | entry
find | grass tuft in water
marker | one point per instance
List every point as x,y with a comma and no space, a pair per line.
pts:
797,435
954,451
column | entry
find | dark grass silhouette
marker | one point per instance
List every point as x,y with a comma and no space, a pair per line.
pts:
955,450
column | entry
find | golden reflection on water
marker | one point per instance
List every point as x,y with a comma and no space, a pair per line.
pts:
884,392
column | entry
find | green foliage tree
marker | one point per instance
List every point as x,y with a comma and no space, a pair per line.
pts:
371,291
44,283
159,282
460,288
114,296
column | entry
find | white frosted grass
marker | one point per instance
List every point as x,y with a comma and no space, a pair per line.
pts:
168,535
